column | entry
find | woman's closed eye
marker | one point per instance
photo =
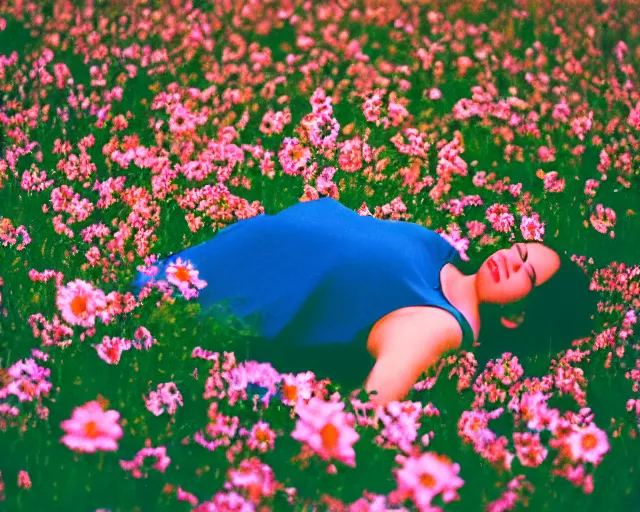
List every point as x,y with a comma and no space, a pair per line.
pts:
524,255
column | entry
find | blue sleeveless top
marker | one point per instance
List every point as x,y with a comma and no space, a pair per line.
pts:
313,279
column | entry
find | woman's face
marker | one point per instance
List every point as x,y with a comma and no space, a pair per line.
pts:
508,275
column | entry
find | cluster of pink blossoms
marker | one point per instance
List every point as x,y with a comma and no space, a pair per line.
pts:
400,425
111,348
24,481
25,381
9,235
166,399
137,466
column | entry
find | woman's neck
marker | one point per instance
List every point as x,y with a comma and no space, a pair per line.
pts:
465,286
460,290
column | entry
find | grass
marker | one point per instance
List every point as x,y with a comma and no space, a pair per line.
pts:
64,480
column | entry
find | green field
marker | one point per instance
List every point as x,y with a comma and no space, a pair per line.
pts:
132,129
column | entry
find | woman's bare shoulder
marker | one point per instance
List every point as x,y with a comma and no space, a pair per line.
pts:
439,326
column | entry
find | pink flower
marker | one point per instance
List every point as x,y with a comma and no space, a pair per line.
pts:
137,465
350,159
183,495
581,125
634,117
373,503
516,492
531,227
529,449
143,334
90,429
323,426
401,424
26,381
167,398
23,479
427,476
261,437
79,302
254,477
296,388
435,94
111,349
588,444
226,501
293,156
546,154
183,275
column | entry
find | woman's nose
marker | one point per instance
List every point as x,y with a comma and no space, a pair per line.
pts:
515,263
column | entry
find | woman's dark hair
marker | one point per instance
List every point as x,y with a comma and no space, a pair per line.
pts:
557,312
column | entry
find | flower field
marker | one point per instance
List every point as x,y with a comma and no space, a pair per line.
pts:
130,130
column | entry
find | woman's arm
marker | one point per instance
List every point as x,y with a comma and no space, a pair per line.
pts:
406,353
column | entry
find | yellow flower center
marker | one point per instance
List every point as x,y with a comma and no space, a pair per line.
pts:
408,409
78,305
589,441
27,387
182,274
112,352
290,392
330,434
262,436
427,480
91,429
